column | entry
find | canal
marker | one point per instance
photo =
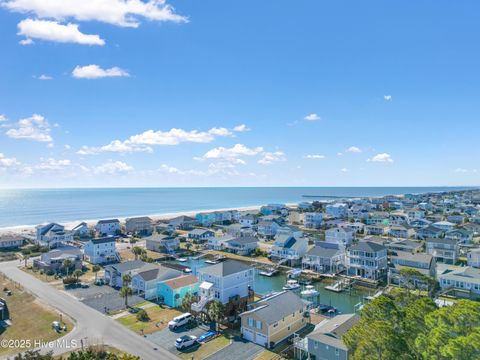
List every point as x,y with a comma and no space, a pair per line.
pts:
344,301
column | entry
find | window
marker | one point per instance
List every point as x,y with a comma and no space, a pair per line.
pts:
259,325
250,322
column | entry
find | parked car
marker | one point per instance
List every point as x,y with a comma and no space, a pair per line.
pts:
185,341
179,321
207,336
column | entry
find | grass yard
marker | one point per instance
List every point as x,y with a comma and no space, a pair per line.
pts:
159,319
31,319
206,349
259,259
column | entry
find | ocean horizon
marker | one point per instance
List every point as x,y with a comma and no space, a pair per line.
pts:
27,207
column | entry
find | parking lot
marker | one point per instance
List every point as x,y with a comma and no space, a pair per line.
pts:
99,297
166,338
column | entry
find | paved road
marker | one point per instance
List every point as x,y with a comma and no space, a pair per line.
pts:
90,326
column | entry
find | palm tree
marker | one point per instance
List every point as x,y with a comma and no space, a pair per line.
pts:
187,301
26,257
67,264
95,270
138,251
126,279
77,273
125,292
215,312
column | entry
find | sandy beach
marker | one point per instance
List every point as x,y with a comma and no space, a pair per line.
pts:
29,230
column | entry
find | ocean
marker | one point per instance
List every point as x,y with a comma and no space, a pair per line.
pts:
20,207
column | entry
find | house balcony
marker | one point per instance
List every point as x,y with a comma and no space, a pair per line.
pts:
200,305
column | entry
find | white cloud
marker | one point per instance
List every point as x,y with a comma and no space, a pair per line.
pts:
35,128
56,32
67,147
271,157
44,77
7,162
125,13
3,118
387,97
26,42
144,141
241,128
461,170
344,170
238,150
53,164
383,157
312,117
96,72
353,149
314,156
113,167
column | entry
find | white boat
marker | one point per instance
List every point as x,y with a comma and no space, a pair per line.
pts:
291,285
309,291
211,262
182,259
187,270
268,272
337,287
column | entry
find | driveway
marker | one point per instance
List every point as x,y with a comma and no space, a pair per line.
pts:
166,338
239,349
101,297
91,327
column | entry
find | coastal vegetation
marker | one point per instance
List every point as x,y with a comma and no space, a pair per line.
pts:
402,326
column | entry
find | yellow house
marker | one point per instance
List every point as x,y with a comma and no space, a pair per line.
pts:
274,319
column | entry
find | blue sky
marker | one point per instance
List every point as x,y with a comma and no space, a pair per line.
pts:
245,93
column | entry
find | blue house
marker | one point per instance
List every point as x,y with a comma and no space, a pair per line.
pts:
173,291
205,219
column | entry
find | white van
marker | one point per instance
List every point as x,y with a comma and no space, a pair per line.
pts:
179,321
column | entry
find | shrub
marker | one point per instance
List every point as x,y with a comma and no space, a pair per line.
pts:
70,280
142,315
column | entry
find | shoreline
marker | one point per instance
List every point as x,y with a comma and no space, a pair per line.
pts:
30,229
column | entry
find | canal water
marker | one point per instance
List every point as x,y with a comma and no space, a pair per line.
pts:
344,302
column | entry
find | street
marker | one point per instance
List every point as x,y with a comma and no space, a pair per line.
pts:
91,327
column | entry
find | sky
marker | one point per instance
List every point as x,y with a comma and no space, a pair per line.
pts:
111,93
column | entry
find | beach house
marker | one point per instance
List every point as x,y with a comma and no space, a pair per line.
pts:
342,236
139,225
464,280
325,342
273,319
444,250
312,220
243,245
228,282
473,258
171,292
115,272
108,227
162,243
101,251
81,230
289,246
145,280
54,259
337,210
11,241
325,258
200,235
52,235
368,260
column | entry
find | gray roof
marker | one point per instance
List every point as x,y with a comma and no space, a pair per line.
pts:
418,257
127,266
108,221
324,252
104,240
441,241
225,268
367,246
160,273
243,240
330,331
199,231
274,308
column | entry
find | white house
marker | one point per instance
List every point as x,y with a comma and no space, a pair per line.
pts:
464,279
289,246
222,282
219,242
139,225
161,243
313,220
325,258
80,229
10,241
248,220
444,225
146,279
267,228
101,250
341,236
473,258
52,235
444,250
337,210
108,227
368,260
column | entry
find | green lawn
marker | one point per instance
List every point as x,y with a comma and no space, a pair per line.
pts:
31,319
159,319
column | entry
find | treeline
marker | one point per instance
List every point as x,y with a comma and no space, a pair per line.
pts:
89,354
402,326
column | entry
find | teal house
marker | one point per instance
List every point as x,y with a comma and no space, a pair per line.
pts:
172,291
